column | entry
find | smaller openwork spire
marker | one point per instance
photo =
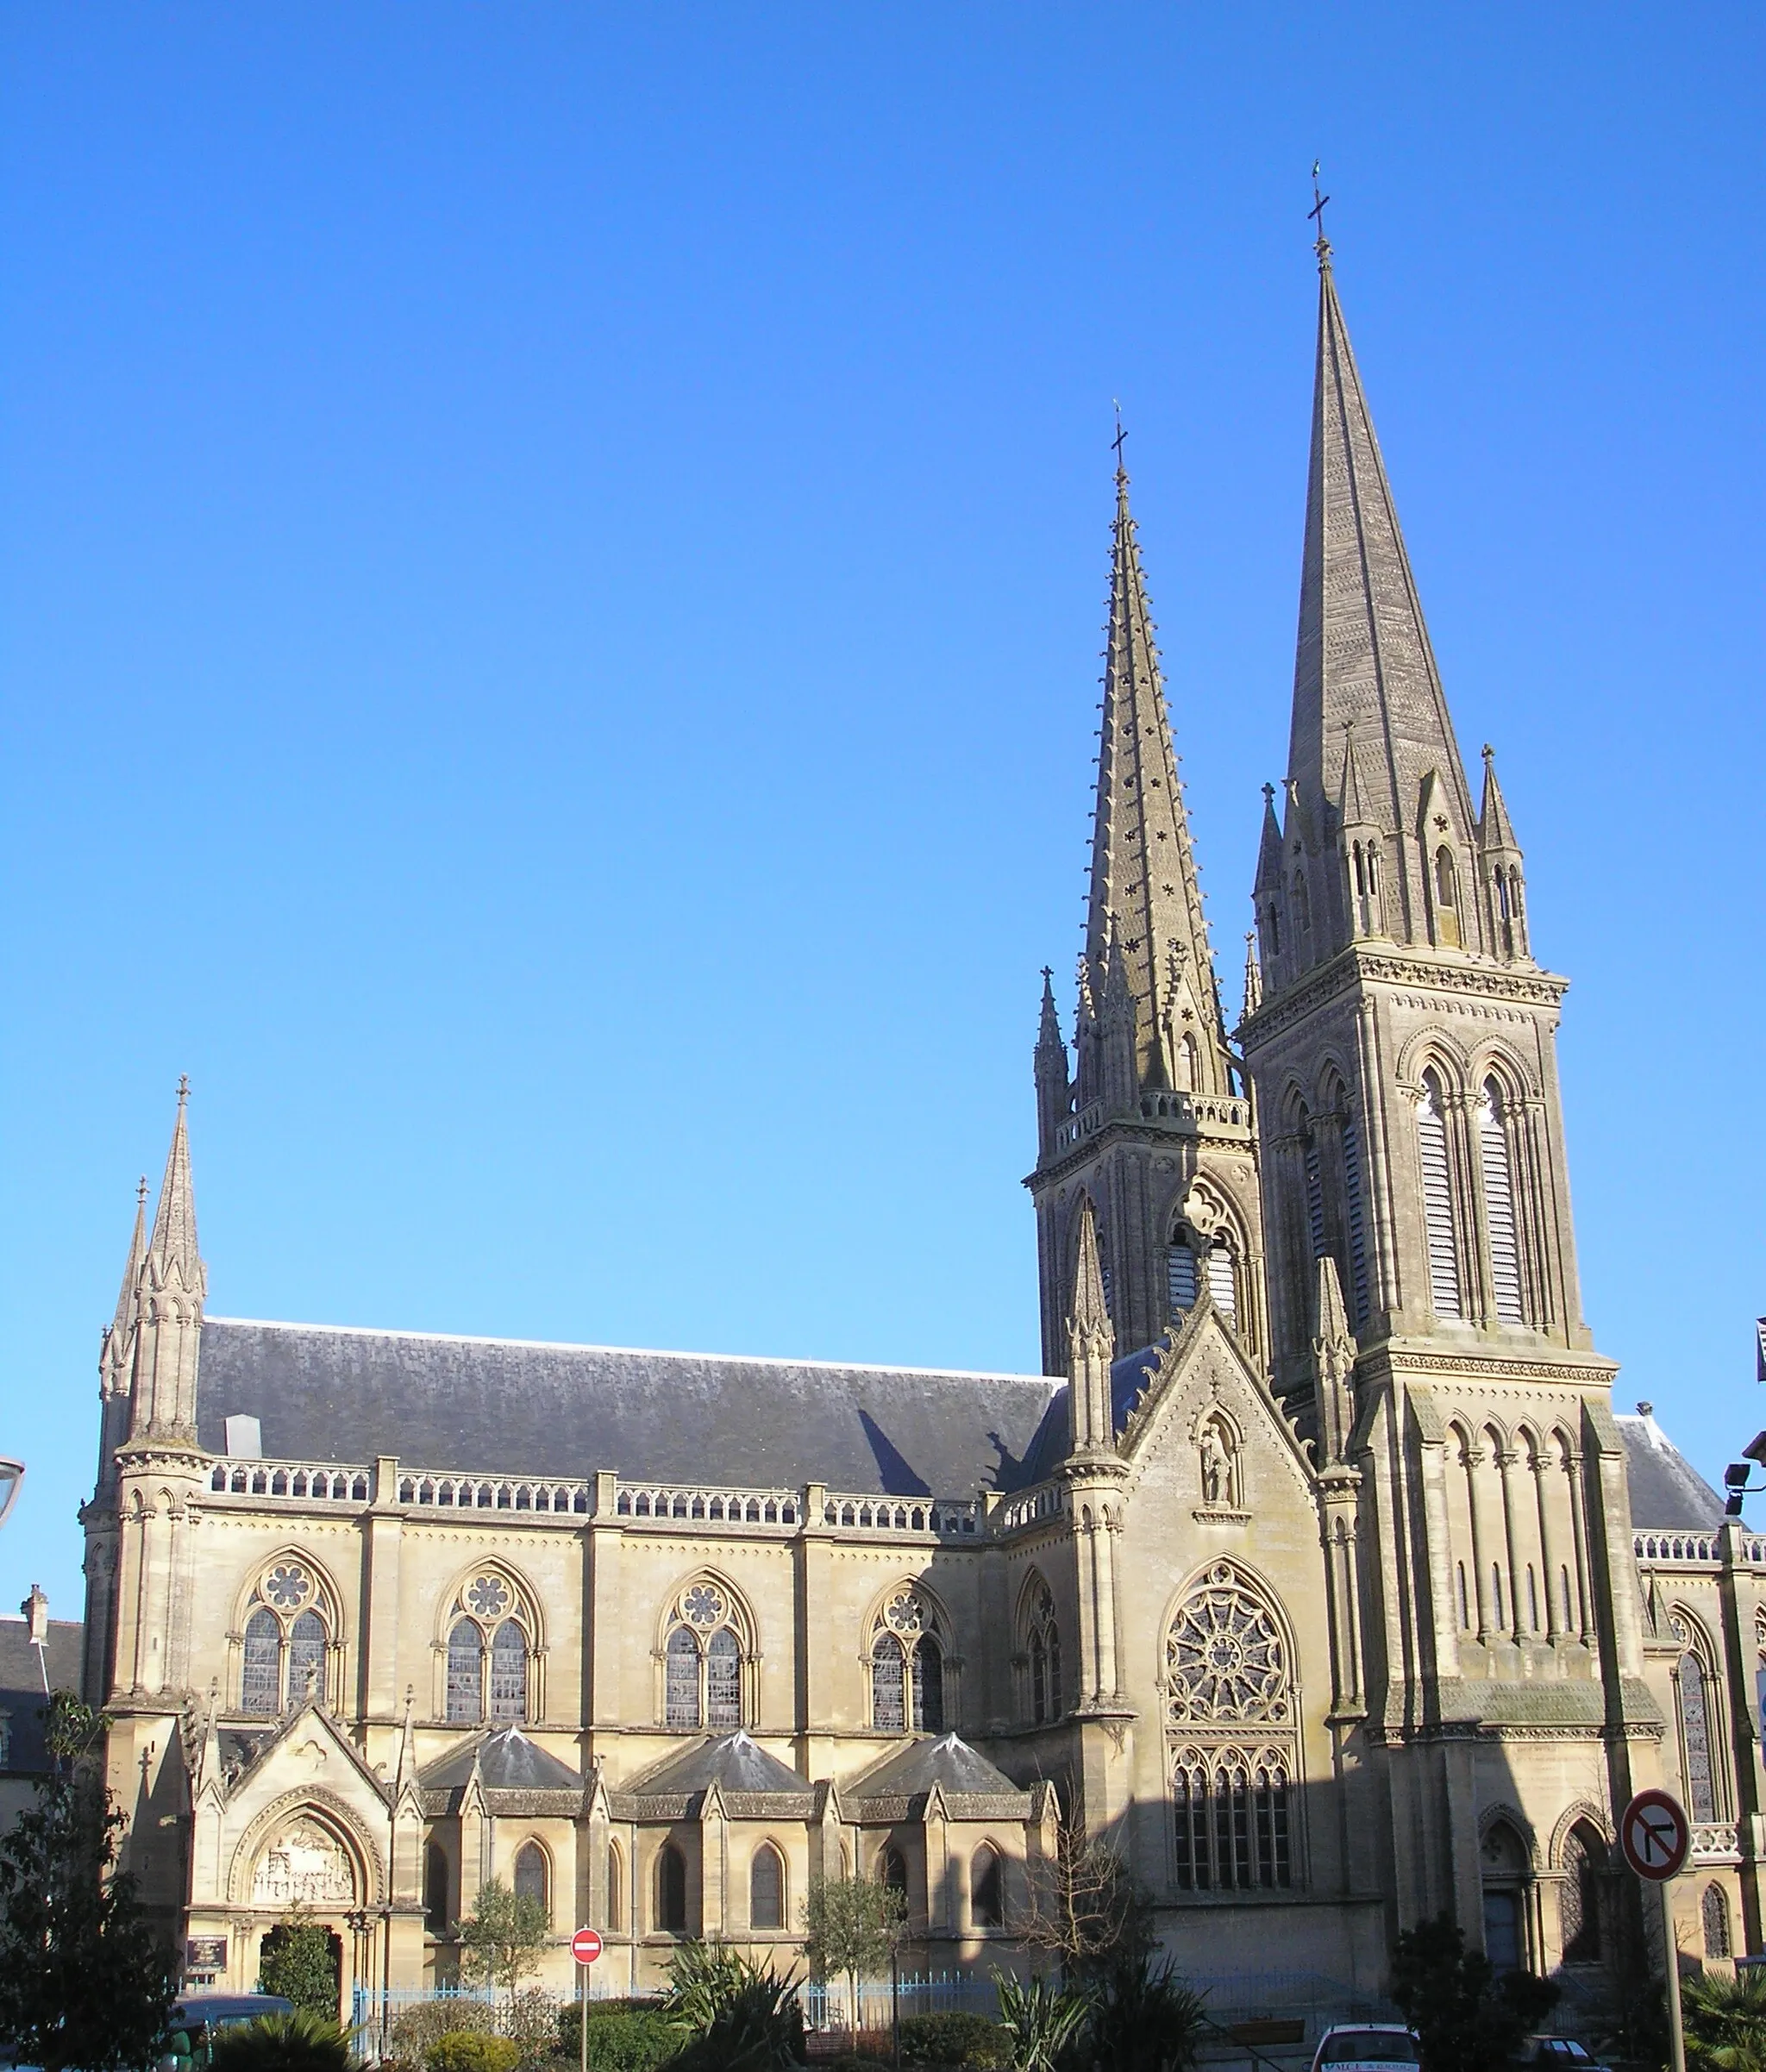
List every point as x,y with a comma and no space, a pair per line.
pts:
175,1242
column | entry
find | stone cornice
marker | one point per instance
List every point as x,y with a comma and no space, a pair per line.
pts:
1130,1129
1419,1360
1360,965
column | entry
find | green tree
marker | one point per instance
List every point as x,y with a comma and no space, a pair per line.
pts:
1466,2017
1724,2020
851,1926
298,1963
502,1939
84,1979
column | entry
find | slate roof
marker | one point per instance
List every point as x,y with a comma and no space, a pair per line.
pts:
1667,1491
22,1697
972,1787
752,1783
508,1408
517,1775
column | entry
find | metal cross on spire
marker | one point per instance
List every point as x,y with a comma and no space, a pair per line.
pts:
1120,439
1315,213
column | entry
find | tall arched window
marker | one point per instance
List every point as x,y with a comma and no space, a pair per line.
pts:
260,1687
1447,927
1437,1199
892,1867
1302,902
488,1650
532,1878
1229,1713
1180,1282
509,1672
616,1889
437,1888
703,1659
1355,1216
286,1642
1042,1649
1713,1911
986,1889
1578,1904
465,1670
1499,1206
767,1888
1693,1696
907,1668
671,1890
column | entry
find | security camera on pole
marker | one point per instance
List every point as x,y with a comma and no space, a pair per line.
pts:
1655,1835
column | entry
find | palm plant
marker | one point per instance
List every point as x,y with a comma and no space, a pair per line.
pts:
1725,2021
1039,2018
301,2042
743,2016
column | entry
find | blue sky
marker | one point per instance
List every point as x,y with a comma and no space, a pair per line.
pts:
554,564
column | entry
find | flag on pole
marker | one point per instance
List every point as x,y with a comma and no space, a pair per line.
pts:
1760,1348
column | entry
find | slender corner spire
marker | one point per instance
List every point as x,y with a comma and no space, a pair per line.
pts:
1495,831
1254,976
1363,654
1333,1361
121,1329
1354,803
1090,1319
1146,896
1049,1037
1091,1345
174,1246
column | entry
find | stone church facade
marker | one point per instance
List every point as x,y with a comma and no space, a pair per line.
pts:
1316,1574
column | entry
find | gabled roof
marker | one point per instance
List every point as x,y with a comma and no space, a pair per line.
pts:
971,1787
507,1407
21,1695
752,1783
507,1761
1668,1493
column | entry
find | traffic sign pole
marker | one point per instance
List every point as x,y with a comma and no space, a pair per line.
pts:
1677,2042
585,1947
1656,1838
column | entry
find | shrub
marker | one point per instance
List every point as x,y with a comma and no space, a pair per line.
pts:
1465,2016
472,2050
1725,2021
952,2039
298,1963
747,2018
1142,2017
415,2028
624,2036
283,2042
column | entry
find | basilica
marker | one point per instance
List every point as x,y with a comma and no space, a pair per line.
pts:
1317,1573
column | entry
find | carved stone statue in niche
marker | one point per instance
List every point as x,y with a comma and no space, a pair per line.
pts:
1219,1466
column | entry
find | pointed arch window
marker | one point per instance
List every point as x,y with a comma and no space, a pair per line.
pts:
987,1888
286,1645
533,1876
1223,1278
1692,1698
489,1652
767,1888
1356,1217
1579,1903
1713,1912
1437,1199
671,1890
1182,1284
703,1659
1499,1205
892,1871
616,1889
907,1668
437,1890
1042,1648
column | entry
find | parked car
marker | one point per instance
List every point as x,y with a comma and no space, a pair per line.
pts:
196,2021
1557,2054
1365,2047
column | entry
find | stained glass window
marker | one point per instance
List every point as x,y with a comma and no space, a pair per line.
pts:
680,1705
466,1671
306,1660
927,1687
1223,1656
887,1712
436,1887
723,1680
260,1686
532,1877
1714,1910
509,1672
1578,1902
1232,1820
1695,1737
767,1890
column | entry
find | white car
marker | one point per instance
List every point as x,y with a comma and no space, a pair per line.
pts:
1365,2047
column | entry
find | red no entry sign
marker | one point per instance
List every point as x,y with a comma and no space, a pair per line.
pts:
1654,1836
585,1945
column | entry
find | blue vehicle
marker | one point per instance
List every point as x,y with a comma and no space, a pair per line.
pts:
198,2019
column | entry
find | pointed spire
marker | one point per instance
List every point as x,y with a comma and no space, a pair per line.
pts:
114,1359
1333,1362
1363,652
1353,809
1495,828
1090,1321
1269,846
1254,976
1091,1345
1048,1038
1145,888
174,1243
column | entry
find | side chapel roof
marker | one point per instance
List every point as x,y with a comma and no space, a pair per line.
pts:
752,1784
971,1787
1668,1493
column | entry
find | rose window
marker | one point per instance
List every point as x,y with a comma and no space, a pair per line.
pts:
287,1585
487,1596
702,1606
1223,1656
905,1614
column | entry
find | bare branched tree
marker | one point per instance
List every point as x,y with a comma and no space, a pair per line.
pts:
1086,1908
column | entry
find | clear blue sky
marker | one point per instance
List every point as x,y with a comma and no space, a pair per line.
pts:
554,564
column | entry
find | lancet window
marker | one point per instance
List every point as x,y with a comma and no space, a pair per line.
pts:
1437,1199
488,1649
907,1668
1696,1699
1043,1654
767,1888
286,1653
1497,1173
704,1660
1713,1911
1578,1904
533,1876
1230,1712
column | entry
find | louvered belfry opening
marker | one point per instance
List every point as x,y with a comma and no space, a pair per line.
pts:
1499,1207
1437,1200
